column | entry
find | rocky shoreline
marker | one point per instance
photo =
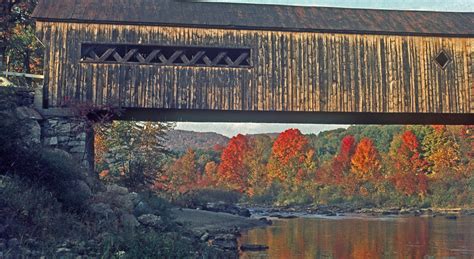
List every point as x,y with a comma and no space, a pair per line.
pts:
219,230
331,211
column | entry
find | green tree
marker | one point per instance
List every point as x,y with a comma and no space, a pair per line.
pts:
256,161
134,152
18,36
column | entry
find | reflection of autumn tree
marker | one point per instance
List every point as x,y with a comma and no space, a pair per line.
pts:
356,238
412,238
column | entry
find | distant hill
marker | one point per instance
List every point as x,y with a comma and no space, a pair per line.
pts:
326,143
273,136
181,140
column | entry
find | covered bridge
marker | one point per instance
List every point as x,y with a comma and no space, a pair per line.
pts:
242,62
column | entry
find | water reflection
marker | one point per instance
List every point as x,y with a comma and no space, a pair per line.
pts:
412,237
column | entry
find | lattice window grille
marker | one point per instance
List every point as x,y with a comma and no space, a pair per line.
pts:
166,55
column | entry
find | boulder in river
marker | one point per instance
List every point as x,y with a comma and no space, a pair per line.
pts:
287,216
225,241
452,217
266,221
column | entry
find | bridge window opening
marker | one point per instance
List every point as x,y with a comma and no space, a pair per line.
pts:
443,59
166,55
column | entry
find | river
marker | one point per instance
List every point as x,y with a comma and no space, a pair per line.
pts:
364,237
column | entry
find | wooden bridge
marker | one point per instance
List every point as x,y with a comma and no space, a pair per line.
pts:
196,61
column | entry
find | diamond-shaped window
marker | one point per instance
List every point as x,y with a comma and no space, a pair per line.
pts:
443,59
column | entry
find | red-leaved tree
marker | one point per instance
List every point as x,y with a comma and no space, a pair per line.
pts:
232,171
410,168
342,162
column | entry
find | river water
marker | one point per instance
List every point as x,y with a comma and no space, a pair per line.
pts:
364,237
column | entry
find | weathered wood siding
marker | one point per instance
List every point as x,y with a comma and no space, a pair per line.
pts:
293,71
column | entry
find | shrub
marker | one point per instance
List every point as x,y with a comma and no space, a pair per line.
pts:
330,195
29,210
270,195
295,198
149,244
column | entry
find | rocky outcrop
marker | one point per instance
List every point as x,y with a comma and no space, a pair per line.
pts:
54,128
71,134
150,220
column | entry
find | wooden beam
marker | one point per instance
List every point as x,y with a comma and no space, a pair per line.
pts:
190,115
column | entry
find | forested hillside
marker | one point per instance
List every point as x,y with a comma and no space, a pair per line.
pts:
368,165
181,140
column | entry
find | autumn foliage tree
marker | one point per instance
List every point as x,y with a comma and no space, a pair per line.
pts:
182,176
209,178
366,161
342,162
232,171
256,162
442,152
409,176
366,166
292,159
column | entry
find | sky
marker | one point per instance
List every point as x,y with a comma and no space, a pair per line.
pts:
427,5
232,129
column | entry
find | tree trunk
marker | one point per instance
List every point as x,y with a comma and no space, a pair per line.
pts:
26,66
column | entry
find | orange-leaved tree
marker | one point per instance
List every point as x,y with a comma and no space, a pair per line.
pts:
182,175
209,177
292,159
366,166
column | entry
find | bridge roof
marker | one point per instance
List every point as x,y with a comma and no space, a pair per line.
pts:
261,17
